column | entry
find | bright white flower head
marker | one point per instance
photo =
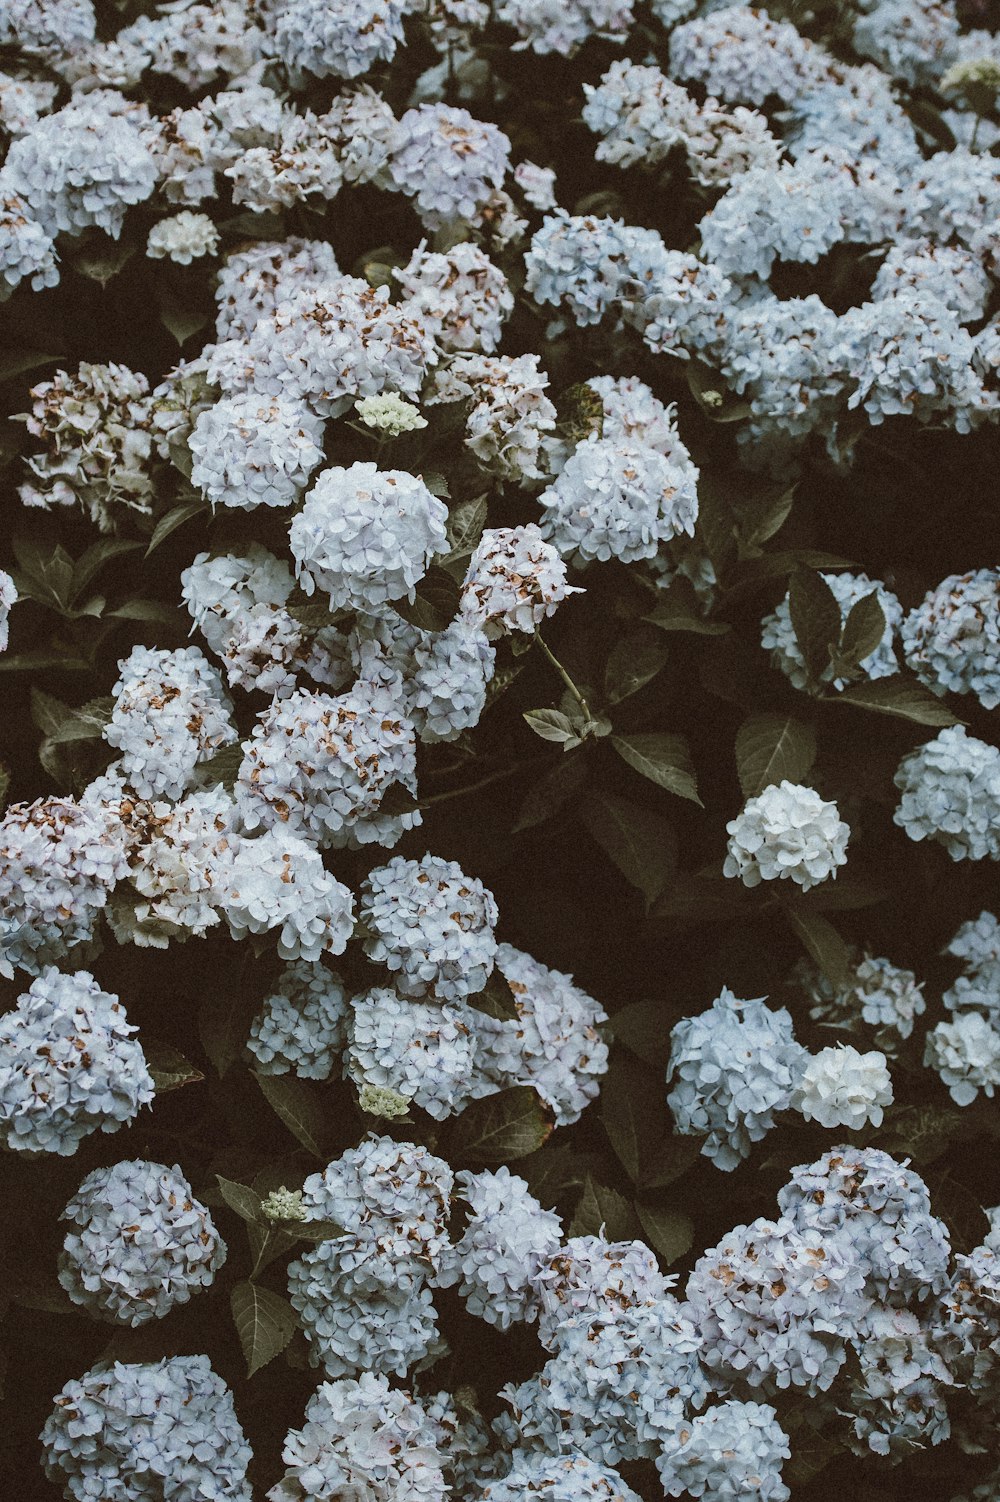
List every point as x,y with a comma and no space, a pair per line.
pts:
515,580
460,293
564,25
390,414
730,1452
422,1050
8,599
841,1087
506,1237
340,37
451,673
302,1026
254,281
787,832
509,415
365,536
183,238
26,249
278,881
965,1052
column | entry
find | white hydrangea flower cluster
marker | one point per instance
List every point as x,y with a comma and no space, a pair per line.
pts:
254,281
139,1243
83,165
977,945
841,1087
778,635
564,25
949,273
899,1399
326,345
786,832
590,1278
616,499
251,450
343,39
364,1439
731,1451
950,790
349,751
876,992
509,416
424,1051
881,1211
71,1066
965,1052
164,1430
365,536
431,926
515,580
460,294
732,1068
278,881
59,862
743,56
559,1477
301,1027
183,238
170,713
951,639
98,443
8,599
26,249
498,1258
363,1298
554,1043
451,673
389,414
448,163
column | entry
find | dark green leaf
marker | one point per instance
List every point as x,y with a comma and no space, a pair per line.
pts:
89,564
823,944
715,526
315,1231
926,118
642,844
501,1128
296,1103
84,724
644,1027
816,619
674,615
269,1241
697,899
101,260
44,573
551,725
669,1232
180,315
603,1209
496,999
169,1068
265,1323
771,748
902,697
240,1198
15,362
175,518
863,629
48,712
435,601
553,1171
42,660
148,610
664,759
633,662
222,768
466,521
632,1107
563,780
712,395
436,484
760,517
672,1159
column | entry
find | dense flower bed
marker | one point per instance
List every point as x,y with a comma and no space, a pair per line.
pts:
500,623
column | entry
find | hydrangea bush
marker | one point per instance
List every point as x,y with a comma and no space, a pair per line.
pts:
500,776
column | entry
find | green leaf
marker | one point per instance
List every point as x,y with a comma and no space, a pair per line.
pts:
296,1103
863,629
4,786
823,944
265,1323
437,484
15,362
147,610
771,748
642,844
312,611
551,725
669,1232
496,999
644,1027
466,521
179,316
552,792
48,712
674,615
169,1068
553,1171
664,759
42,660
694,899
712,395
501,1128
268,1241
84,724
222,768
240,1198
633,662
175,518
89,564
900,696
601,1208
435,601
315,1231
101,261
671,1161
816,619
760,517
632,1107
45,573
